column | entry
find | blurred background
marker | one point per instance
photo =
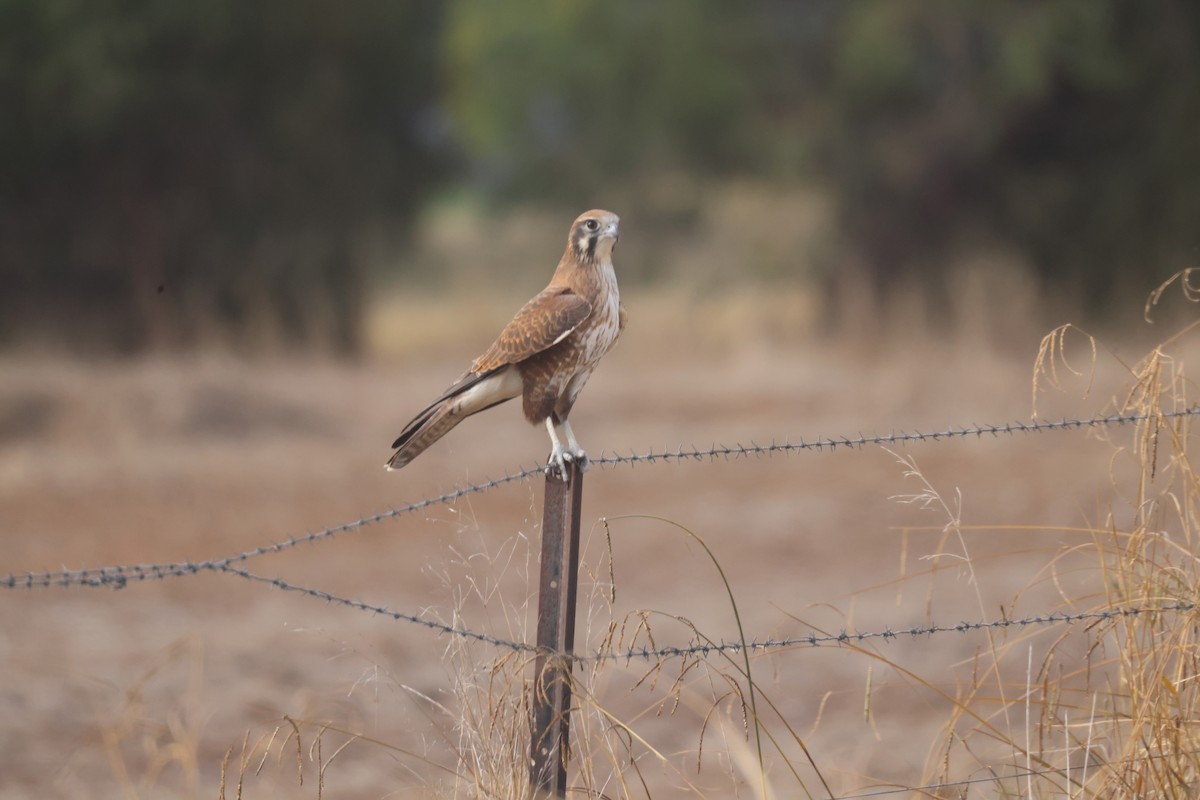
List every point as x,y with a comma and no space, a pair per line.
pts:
262,175
243,241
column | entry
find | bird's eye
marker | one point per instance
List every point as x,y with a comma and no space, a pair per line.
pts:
591,224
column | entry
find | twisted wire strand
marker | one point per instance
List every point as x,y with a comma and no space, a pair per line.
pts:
821,444
119,576
709,647
845,637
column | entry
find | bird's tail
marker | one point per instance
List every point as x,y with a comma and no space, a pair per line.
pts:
468,395
432,424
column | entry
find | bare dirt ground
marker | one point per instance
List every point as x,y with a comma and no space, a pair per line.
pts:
141,692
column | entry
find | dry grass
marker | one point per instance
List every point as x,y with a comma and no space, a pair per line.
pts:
210,687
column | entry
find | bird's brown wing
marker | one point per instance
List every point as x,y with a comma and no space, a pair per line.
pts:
544,321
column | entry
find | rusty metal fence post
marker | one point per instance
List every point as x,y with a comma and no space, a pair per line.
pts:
550,724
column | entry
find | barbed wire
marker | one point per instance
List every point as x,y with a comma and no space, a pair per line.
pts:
840,639
739,450
845,637
119,576
709,647
441,627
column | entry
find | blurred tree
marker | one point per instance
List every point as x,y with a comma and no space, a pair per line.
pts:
551,98
172,170
1065,129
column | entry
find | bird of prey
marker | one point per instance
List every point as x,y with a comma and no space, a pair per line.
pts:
545,355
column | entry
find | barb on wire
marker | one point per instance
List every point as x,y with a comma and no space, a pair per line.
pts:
121,575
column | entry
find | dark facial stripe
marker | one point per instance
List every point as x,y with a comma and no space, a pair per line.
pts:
585,244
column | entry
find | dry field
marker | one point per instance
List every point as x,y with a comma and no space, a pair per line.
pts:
146,691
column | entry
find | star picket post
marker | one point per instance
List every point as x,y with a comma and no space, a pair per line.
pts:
557,593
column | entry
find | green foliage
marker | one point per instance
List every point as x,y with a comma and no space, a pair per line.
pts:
553,97
170,166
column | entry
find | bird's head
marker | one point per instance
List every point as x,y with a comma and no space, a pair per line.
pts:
594,235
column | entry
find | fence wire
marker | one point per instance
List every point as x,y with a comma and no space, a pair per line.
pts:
739,450
846,637
119,576
441,627
709,647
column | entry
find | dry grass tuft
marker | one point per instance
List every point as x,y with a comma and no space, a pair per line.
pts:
1111,709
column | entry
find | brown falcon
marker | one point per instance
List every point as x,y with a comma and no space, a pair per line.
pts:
545,355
